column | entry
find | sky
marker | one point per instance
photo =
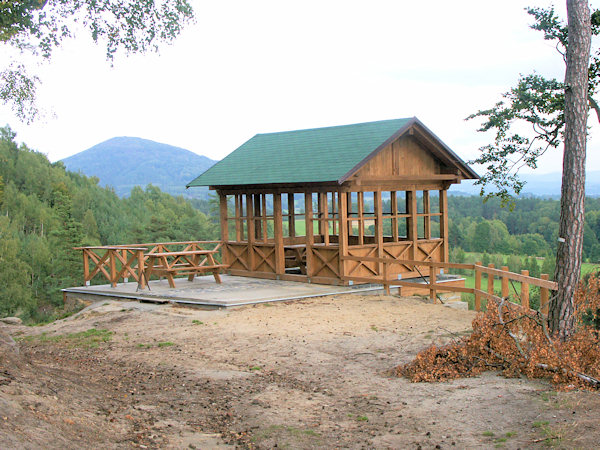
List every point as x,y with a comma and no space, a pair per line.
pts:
263,66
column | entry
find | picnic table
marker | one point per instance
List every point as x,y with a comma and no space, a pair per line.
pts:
188,262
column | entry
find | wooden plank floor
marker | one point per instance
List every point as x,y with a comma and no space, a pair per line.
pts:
203,291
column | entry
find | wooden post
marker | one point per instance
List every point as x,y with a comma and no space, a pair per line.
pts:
278,231
525,290
141,269
321,201
427,217
544,296
394,202
86,268
343,237
444,224
386,286
292,216
432,281
361,225
310,238
378,228
251,230
113,269
477,287
238,217
257,218
490,278
265,229
505,283
223,219
412,229
323,222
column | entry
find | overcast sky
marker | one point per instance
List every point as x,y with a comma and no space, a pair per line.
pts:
250,67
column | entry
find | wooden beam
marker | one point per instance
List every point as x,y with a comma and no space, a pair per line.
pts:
265,230
223,219
251,230
378,227
427,217
238,220
361,226
521,278
525,290
412,229
310,239
291,214
278,231
394,202
343,234
405,178
477,287
257,216
444,224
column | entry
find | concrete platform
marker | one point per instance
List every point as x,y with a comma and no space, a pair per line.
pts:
203,291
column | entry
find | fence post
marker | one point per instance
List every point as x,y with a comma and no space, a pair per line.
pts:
505,283
125,256
113,268
525,290
141,267
86,268
490,277
432,290
544,295
477,287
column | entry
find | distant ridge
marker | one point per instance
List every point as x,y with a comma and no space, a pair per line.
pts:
125,162
538,185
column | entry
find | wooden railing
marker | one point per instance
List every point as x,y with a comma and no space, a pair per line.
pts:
503,274
119,262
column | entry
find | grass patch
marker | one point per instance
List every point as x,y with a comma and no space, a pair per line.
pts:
274,430
488,433
165,344
362,418
255,368
197,322
91,338
540,424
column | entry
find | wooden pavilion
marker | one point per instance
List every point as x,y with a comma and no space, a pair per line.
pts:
321,205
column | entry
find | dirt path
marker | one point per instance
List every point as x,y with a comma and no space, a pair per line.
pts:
304,374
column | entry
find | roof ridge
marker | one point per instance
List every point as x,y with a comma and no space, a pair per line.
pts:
336,126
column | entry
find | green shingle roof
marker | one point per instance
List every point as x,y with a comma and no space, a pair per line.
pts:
302,156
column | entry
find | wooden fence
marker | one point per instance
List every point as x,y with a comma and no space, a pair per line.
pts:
490,272
119,262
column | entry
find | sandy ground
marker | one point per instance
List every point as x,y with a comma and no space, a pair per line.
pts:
305,374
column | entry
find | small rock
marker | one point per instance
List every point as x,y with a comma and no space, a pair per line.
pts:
11,320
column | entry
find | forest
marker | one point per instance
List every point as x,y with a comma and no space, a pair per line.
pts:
46,210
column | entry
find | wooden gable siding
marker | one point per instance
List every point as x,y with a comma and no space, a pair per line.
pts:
403,157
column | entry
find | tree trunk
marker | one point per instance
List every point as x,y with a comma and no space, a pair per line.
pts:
568,258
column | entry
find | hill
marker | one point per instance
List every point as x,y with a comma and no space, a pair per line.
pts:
125,162
538,185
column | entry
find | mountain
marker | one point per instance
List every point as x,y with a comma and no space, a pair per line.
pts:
538,185
125,162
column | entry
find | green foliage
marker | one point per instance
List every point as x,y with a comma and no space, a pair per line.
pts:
529,120
45,211
39,27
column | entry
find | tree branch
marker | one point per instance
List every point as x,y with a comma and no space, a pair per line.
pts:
595,106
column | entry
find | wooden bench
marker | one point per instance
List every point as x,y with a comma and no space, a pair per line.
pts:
189,262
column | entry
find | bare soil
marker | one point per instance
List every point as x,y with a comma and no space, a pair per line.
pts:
314,373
